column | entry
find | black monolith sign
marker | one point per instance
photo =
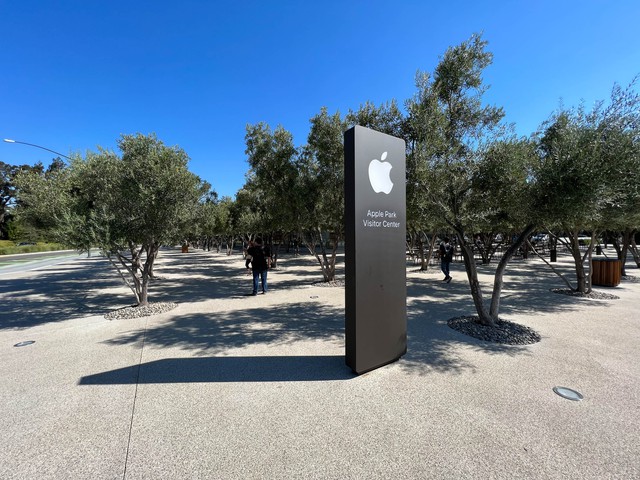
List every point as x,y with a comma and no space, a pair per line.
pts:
375,249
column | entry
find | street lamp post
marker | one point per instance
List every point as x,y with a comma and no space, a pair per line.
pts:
8,140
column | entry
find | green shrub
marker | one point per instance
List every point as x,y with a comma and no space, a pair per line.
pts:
10,248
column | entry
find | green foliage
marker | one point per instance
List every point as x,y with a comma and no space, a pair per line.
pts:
590,164
620,133
143,199
10,248
386,118
504,195
269,197
321,167
462,169
570,173
590,170
8,192
448,127
43,199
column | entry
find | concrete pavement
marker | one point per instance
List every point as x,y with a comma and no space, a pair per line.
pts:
227,386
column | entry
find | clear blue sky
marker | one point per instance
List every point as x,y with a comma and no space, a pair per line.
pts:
77,74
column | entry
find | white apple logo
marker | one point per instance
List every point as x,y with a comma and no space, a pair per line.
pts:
379,175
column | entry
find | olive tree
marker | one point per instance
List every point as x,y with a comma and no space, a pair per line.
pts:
320,190
466,180
423,131
272,180
128,205
589,172
621,133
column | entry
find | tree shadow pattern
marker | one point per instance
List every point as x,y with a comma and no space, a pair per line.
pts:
74,290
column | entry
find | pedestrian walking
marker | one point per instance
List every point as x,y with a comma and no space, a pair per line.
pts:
446,257
260,259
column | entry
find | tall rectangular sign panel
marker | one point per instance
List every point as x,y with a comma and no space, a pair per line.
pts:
375,248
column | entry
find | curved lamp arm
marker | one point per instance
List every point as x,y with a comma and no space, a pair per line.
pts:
8,140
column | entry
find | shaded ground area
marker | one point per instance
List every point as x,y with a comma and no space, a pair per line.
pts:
593,294
282,368
73,289
229,386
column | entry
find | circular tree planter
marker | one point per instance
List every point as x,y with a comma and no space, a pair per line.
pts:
504,332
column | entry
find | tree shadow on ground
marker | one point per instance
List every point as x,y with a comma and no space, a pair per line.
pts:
202,275
73,289
91,286
432,345
228,369
527,289
217,332
86,286
430,303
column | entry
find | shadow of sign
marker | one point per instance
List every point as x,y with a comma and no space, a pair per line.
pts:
227,369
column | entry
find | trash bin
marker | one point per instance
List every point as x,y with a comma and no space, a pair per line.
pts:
598,250
185,248
554,254
606,272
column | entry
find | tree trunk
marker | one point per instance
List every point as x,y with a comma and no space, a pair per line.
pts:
426,258
485,247
127,263
626,242
275,255
583,276
136,257
634,250
424,265
502,265
484,318
230,245
327,264
147,271
554,269
127,267
416,249
153,253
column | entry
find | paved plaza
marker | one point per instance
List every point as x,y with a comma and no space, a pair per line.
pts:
227,386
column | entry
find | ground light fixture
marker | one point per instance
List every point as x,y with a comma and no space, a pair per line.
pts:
568,393
9,140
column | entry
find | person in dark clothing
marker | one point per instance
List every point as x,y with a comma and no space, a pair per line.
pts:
446,257
260,258
247,257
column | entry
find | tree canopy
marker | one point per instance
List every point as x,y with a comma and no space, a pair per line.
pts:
127,205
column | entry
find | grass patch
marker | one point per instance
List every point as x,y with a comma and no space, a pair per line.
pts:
8,247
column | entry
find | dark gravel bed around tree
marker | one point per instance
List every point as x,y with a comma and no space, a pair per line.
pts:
630,279
127,313
594,295
504,332
431,271
335,283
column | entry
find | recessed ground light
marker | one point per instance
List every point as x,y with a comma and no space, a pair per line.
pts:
569,394
313,296
25,343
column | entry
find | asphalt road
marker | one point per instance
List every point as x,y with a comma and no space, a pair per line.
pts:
11,264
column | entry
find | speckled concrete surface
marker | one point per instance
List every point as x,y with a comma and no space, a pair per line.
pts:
227,386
